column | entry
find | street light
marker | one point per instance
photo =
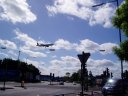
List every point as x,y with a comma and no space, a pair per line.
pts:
117,4
104,3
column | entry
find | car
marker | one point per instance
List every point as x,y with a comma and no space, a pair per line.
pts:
74,83
61,83
115,87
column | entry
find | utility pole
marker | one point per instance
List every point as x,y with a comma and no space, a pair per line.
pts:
18,55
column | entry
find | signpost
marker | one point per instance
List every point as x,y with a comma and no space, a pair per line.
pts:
83,59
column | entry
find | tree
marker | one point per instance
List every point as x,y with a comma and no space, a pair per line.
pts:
67,74
125,74
120,21
91,78
21,69
75,77
122,51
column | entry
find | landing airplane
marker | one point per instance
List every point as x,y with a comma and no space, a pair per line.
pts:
44,45
3,47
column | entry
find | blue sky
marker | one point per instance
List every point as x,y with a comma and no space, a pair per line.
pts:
72,25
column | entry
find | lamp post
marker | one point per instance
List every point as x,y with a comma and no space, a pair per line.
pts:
120,39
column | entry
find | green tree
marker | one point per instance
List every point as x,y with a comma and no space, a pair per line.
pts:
120,20
21,68
125,74
122,51
67,74
75,77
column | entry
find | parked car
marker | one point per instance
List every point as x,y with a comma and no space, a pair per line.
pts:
115,87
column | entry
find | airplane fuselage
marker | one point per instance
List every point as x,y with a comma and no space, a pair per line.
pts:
44,45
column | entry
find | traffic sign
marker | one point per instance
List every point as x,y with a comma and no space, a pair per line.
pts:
83,57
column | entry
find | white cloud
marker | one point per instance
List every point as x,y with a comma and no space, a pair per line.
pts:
12,53
35,63
8,44
33,53
70,60
30,43
83,10
60,67
4,55
107,47
87,46
92,47
72,64
16,11
54,56
25,38
98,66
44,70
63,44
65,64
68,63
102,16
100,63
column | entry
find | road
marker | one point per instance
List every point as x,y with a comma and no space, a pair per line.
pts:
41,89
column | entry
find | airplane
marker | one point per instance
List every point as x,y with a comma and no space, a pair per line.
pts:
3,47
44,45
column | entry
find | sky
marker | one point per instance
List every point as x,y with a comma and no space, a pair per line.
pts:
73,26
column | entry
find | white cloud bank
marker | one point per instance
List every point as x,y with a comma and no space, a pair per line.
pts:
85,45
83,10
16,11
72,64
8,44
29,45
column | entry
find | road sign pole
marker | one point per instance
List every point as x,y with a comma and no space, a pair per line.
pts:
83,59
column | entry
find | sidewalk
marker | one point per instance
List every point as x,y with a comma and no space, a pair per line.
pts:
9,87
93,91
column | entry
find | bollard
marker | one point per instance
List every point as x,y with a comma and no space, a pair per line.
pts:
22,84
92,93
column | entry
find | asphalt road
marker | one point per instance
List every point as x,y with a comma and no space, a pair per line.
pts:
40,89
